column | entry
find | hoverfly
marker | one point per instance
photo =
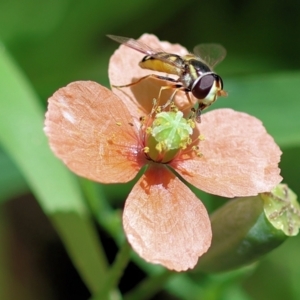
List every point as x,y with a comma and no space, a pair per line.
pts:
194,71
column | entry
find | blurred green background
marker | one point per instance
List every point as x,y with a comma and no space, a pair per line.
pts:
46,45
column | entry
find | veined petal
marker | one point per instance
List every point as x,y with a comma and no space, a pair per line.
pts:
91,130
124,69
165,222
239,157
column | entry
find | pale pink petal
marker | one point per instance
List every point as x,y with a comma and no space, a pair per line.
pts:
124,69
165,222
91,130
239,157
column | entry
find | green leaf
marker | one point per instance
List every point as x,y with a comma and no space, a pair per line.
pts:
22,137
12,183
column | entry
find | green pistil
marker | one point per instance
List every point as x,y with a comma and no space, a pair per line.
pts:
170,132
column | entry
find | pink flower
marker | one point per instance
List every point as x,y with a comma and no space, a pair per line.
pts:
98,135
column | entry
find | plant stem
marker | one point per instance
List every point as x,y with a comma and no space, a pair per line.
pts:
149,287
114,274
108,218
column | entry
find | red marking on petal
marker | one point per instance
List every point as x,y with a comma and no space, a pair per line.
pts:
239,157
165,222
91,130
124,69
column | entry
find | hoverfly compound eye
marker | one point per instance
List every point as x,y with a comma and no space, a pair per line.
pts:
203,85
219,82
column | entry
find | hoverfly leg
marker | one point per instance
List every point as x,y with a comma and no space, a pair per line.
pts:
170,100
135,82
187,93
198,115
193,114
176,87
143,78
155,108
199,110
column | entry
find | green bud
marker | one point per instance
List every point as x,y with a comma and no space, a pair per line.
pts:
242,232
282,209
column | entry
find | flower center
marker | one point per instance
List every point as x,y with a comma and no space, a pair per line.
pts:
168,134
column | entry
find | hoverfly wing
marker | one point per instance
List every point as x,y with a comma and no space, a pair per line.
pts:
211,54
134,44
143,48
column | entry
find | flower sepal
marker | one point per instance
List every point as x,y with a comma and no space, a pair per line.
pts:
242,232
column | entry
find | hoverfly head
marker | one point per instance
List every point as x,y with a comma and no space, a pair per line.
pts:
208,87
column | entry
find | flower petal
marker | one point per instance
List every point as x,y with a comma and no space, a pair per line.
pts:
124,69
91,130
165,222
239,157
